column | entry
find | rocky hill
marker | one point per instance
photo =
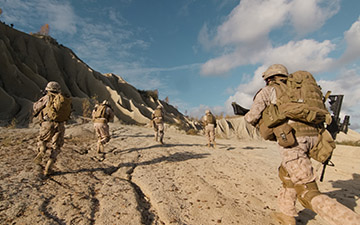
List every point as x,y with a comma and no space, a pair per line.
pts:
29,62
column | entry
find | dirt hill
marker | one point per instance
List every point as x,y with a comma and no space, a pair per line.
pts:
29,62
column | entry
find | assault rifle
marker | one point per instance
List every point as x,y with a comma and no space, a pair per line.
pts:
239,110
336,126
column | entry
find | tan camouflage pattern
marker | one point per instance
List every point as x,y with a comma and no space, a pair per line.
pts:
210,133
40,105
159,131
286,201
158,124
50,132
101,126
263,98
209,130
334,212
297,163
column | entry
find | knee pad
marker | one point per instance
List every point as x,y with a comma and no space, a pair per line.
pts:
285,178
306,192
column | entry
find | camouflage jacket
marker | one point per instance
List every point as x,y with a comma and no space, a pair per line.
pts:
262,99
39,106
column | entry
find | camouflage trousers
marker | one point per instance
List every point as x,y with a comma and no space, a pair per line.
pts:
52,132
159,131
210,133
298,165
102,132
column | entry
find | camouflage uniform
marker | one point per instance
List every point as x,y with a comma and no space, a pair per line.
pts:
300,171
209,128
101,126
158,124
50,131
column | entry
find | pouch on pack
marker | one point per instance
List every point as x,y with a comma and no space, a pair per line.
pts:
285,135
266,132
324,147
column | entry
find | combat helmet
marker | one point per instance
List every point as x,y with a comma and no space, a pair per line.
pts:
53,86
207,111
275,69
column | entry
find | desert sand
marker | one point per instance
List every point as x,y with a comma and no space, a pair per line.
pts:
142,182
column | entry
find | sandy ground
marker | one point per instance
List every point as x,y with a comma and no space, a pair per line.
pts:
142,182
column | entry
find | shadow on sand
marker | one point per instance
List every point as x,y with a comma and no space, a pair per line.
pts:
176,157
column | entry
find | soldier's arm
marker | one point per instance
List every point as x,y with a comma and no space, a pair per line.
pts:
111,114
39,105
261,101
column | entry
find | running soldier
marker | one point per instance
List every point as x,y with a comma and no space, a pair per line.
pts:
101,115
209,122
158,124
53,109
296,171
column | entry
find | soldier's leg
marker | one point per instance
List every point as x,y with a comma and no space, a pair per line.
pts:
334,212
287,196
41,152
104,137
212,136
161,133
54,153
156,130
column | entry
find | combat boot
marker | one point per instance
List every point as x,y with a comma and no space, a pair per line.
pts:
48,166
208,144
283,219
214,144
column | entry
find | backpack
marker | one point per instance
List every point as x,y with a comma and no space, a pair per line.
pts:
100,111
299,99
58,108
158,113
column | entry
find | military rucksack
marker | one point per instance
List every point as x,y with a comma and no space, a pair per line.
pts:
100,111
299,99
158,113
58,108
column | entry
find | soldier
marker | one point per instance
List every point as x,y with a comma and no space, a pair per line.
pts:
296,171
52,127
158,123
209,122
101,115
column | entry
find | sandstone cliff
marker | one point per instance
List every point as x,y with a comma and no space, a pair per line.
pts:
29,62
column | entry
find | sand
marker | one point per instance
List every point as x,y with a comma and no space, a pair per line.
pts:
142,182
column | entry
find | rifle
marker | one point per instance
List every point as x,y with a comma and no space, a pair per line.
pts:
336,126
238,109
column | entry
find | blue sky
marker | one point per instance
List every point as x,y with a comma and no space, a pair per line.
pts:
206,53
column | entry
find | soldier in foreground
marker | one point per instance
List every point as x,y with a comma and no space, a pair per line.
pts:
101,115
296,171
158,123
53,109
209,122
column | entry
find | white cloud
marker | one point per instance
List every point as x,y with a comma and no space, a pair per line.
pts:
296,55
308,15
352,38
251,20
244,36
347,84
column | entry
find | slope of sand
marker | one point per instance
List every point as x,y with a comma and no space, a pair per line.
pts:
142,182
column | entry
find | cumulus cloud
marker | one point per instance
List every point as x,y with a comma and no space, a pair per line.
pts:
352,38
247,28
309,15
251,20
